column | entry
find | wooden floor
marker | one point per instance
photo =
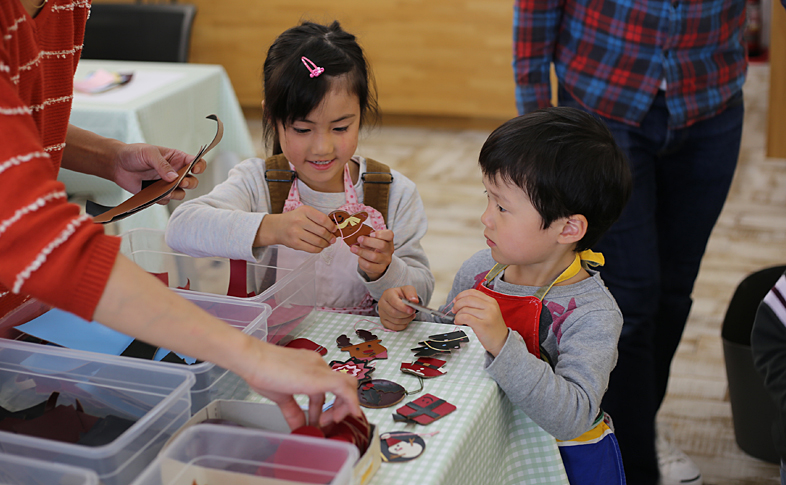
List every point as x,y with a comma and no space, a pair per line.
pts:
750,235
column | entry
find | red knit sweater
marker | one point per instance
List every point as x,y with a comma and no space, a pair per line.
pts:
47,249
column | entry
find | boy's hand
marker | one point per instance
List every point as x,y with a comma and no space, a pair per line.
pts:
394,314
481,312
375,252
304,228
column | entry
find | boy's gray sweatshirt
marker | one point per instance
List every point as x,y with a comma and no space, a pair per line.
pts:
582,343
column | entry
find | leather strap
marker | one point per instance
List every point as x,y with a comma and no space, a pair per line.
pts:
279,180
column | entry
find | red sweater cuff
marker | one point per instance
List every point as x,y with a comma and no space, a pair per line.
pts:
92,282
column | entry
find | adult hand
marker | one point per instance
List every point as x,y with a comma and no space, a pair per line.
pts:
375,252
136,162
481,312
304,228
280,373
393,313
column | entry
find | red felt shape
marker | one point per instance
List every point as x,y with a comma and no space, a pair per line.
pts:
425,409
350,227
424,367
304,343
355,367
352,429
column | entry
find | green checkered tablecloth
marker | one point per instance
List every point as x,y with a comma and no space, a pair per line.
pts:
486,440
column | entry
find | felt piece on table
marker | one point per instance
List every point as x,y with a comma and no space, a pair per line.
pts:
424,410
380,393
370,349
353,366
155,191
304,343
441,344
424,367
350,227
401,446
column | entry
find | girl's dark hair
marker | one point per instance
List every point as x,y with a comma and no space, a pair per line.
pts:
567,163
290,92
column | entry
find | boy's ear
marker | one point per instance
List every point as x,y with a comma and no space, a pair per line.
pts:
574,228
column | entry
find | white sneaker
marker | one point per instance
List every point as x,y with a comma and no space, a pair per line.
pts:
676,468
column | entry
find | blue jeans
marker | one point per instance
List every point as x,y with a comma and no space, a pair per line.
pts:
680,181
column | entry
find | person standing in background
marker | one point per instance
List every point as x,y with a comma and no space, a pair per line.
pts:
666,77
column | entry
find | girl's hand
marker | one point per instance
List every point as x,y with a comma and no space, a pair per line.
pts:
136,162
304,228
393,314
375,252
481,312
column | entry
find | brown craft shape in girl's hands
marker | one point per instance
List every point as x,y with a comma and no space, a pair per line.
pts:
350,227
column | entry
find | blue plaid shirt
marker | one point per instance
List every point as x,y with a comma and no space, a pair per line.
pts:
612,55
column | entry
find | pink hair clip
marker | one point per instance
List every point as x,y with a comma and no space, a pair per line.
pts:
312,68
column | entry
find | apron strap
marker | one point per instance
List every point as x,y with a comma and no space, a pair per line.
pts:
376,186
583,259
279,179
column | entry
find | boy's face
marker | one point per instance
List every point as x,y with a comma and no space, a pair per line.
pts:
514,228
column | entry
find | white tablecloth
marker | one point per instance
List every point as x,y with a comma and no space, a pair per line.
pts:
486,440
164,104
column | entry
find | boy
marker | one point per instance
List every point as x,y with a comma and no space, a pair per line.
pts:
556,181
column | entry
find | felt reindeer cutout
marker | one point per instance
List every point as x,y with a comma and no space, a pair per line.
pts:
350,227
370,349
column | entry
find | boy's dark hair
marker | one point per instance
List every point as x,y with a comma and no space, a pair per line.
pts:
567,163
291,94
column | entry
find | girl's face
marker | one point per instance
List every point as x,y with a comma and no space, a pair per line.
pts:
323,142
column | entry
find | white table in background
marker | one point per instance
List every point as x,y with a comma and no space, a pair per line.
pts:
164,104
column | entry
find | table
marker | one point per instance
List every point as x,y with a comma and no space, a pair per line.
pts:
164,104
486,440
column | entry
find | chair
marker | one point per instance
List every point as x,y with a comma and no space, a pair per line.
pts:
753,410
139,32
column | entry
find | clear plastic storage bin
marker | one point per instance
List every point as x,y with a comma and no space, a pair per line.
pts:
212,382
18,470
285,279
211,454
155,397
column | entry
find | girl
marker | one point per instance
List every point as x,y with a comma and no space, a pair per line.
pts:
318,94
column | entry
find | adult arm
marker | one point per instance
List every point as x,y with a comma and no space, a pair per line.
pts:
535,31
127,164
137,304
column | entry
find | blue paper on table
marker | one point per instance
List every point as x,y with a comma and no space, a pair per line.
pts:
70,331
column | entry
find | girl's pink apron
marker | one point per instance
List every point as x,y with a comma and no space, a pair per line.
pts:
339,286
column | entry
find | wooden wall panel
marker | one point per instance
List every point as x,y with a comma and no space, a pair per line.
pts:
776,131
430,57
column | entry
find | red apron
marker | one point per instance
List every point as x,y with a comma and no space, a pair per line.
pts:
522,313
